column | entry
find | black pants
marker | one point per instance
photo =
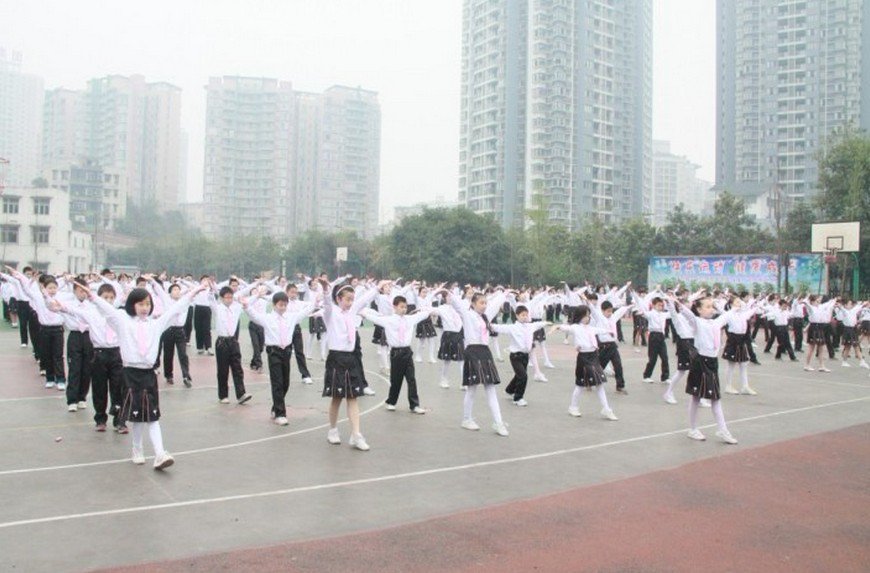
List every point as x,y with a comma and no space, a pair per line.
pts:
79,358
760,322
6,308
279,377
829,343
836,334
258,344
770,340
657,349
229,358
797,326
51,353
28,325
299,351
188,324
669,328
517,385
107,375
202,326
783,342
608,352
402,368
174,341
357,353
619,336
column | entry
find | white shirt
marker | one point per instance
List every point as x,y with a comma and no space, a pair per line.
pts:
738,321
607,324
398,329
585,336
521,334
38,303
139,338
341,324
821,313
450,319
708,332
475,330
278,328
72,322
102,334
226,318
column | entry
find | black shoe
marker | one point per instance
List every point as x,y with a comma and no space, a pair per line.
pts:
187,382
756,361
622,391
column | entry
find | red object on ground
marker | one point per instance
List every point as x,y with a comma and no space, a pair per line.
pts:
800,505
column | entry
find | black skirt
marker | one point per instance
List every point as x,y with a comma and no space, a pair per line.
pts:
816,333
703,381
849,337
588,372
736,349
685,352
479,366
316,325
865,327
379,337
141,402
426,329
539,335
452,346
343,377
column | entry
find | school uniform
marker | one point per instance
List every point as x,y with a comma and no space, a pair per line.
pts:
50,336
79,352
479,366
278,332
297,306
343,377
228,354
521,343
848,317
588,372
685,344
657,348
175,341
452,344
796,321
737,342
202,319
703,379
819,331
780,318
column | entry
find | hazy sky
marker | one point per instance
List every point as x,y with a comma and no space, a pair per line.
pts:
406,50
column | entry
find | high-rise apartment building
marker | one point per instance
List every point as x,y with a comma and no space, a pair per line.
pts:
790,73
557,105
280,162
675,183
21,97
122,123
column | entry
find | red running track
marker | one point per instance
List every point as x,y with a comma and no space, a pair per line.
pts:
800,505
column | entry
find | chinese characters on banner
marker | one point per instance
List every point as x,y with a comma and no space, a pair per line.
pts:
804,271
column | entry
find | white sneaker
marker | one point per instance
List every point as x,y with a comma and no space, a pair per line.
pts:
669,398
521,402
824,369
696,435
138,457
307,380
539,377
72,408
61,386
418,359
245,399
566,342
433,361
748,391
164,461
609,415
705,403
83,405
470,425
368,391
50,384
549,365
809,369
23,346
726,437
729,389
444,384
500,358
864,364
845,364
609,370
575,412
418,410
649,380
225,400
281,420
333,437
390,407
501,429
357,441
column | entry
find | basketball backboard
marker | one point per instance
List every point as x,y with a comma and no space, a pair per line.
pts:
842,237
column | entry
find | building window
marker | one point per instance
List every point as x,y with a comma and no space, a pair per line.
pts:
9,234
41,205
10,205
40,235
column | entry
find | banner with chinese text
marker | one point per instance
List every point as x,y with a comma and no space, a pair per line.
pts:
737,272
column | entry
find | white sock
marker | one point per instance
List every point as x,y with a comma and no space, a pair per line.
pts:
137,435
418,347
678,376
729,370
468,402
382,356
433,351
544,350
533,358
492,398
575,397
311,338
693,412
744,375
156,438
718,415
602,397
496,347
323,347
445,365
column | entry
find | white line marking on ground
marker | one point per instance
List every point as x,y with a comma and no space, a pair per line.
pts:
393,477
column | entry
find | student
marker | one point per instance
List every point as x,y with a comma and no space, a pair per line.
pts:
202,318
521,335
736,348
703,381
174,339
279,327
796,322
588,372
79,349
343,379
607,319
479,368
685,348
294,304
28,325
107,370
848,316
451,348
780,316
139,337
820,323
399,329
40,292
226,312
316,322
425,334
652,308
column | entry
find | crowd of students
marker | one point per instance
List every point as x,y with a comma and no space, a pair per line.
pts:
119,327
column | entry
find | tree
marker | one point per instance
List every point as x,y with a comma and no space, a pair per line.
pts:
797,231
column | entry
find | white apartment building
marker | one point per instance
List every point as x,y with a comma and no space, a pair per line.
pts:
675,183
